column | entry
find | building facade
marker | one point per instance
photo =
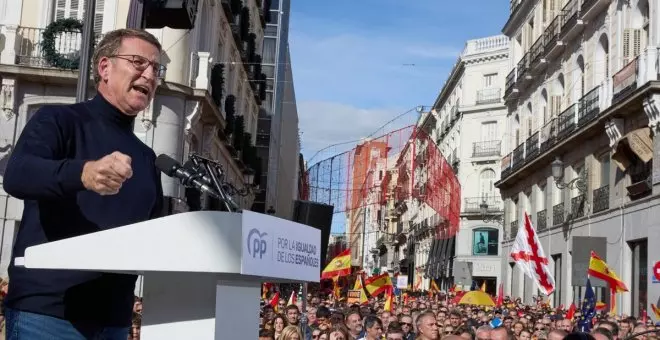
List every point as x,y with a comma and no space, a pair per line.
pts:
278,144
467,122
582,123
207,102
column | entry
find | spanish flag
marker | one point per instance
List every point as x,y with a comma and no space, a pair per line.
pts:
656,312
599,269
275,301
483,287
601,306
434,286
339,266
388,301
358,286
376,285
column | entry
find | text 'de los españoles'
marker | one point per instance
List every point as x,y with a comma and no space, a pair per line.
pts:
297,252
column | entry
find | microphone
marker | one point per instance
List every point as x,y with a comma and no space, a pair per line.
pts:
188,177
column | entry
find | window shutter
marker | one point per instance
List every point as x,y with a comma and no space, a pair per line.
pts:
98,16
626,46
60,9
637,43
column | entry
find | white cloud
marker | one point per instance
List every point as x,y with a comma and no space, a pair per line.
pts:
328,123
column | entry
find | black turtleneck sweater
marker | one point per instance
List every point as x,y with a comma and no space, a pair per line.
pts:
44,170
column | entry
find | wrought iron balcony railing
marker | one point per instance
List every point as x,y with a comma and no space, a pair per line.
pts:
473,204
489,96
577,206
486,149
510,82
601,199
558,214
513,230
541,220
29,42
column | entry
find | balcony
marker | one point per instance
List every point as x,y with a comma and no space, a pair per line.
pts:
518,156
577,206
624,82
486,149
601,199
489,96
541,220
522,70
510,87
538,61
588,107
532,146
567,121
513,230
553,45
558,214
571,24
591,8
548,135
29,46
472,205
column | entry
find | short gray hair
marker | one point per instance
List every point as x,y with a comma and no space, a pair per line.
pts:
111,43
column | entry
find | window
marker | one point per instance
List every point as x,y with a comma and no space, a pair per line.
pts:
489,131
271,30
605,170
269,51
540,199
558,278
487,183
76,8
490,79
485,241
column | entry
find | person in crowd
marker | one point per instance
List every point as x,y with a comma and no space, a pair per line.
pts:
427,328
278,324
80,169
290,332
602,333
373,328
354,324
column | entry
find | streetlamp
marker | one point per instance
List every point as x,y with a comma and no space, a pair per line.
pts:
579,183
248,178
488,217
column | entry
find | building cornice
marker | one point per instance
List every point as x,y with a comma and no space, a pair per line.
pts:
487,58
517,17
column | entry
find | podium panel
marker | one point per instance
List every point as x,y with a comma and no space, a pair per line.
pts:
202,271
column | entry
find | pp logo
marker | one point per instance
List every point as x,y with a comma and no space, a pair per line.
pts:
256,243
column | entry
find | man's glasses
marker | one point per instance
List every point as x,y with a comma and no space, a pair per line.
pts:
141,63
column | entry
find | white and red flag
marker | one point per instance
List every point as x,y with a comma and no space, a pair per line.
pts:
529,256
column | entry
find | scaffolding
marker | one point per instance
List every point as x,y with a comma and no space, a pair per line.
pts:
386,171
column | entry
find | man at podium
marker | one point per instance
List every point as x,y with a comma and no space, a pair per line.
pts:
80,169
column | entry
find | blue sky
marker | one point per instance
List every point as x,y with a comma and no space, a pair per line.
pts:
351,60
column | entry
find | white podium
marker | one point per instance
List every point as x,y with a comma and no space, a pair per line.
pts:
202,270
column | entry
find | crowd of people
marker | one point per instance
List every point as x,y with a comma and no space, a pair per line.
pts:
437,317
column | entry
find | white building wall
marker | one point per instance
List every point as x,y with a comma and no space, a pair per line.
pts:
171,125
471,98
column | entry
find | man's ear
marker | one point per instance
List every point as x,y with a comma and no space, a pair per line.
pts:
104,68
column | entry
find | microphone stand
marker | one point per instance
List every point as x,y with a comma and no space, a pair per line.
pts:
216,173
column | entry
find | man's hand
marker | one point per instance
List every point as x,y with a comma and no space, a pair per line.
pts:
106,175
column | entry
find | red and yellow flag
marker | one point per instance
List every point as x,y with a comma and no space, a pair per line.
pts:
483,287
358,286
336,288
339,266
434,286
599,269
388,300
376,285
265,289
274,302
656,312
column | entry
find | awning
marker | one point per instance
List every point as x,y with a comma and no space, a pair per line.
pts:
637,143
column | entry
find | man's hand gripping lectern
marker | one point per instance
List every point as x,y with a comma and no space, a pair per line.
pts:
202,270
